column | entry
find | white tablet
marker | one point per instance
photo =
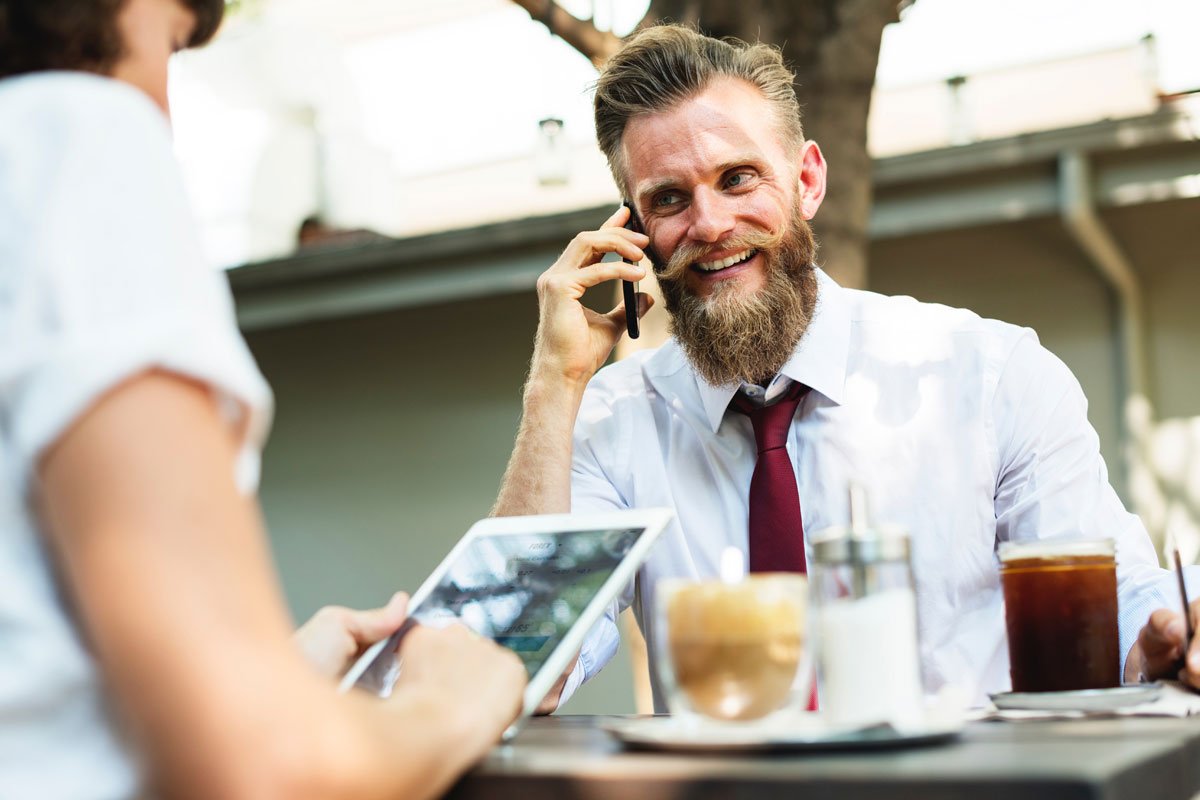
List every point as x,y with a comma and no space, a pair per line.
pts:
535,585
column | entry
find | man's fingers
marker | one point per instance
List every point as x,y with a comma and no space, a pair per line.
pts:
1162,639
617,315
550,702
1165,629
1192,664
618,219
576,282
644,302
589,247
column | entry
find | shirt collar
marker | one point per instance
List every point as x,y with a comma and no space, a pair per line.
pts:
819,360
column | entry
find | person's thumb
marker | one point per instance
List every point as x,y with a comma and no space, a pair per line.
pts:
368,627
617,315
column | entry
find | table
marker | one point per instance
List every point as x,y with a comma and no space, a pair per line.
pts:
1108,759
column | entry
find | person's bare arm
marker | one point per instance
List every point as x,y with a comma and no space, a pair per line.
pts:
168,567
572,343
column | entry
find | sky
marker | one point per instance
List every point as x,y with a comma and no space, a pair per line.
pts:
501,72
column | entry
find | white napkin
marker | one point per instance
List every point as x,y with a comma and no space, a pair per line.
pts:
1174,700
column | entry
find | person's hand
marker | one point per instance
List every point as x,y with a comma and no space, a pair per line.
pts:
466,670
1160,645
334,637
553,697
572,340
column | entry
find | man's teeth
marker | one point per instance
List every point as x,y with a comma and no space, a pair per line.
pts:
713,266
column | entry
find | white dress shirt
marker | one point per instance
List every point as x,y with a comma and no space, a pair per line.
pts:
964,430
101,278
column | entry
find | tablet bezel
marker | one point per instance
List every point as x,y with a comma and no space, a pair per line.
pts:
652,521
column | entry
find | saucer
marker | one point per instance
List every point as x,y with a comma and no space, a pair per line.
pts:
801,732
1080,700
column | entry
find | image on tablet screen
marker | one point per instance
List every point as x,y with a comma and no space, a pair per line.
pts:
526,591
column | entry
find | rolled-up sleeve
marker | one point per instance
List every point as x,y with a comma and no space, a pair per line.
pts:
106,280
592,490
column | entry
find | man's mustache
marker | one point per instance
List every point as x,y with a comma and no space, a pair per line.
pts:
688,254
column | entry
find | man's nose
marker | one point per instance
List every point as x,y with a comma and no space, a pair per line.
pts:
712,217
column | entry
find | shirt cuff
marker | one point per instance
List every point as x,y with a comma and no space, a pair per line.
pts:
598,648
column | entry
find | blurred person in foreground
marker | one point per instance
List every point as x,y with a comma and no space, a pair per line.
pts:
147,647
966,431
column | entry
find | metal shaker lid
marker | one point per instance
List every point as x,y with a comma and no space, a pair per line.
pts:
845,545
859,542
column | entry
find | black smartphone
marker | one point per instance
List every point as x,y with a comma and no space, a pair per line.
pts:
628,288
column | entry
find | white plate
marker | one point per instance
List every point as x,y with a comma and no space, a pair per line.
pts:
1082,700
805,732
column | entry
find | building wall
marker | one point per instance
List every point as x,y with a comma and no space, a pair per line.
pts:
391,434
1165,242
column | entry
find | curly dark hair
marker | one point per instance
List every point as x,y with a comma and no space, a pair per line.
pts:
68,34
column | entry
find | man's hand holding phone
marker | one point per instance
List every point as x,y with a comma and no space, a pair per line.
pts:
573,341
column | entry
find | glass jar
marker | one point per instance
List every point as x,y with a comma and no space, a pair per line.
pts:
865,615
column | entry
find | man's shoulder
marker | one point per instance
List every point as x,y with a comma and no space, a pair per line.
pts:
881,318
625,389
634,372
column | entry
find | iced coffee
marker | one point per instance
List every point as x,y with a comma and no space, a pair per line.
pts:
733,650
1060,602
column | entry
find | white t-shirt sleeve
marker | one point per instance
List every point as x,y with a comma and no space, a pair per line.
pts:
101,271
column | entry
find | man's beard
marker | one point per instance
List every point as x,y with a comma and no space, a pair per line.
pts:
730,336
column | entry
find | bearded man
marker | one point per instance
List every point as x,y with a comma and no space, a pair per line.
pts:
966,431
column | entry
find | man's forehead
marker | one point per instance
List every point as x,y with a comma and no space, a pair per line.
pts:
728,123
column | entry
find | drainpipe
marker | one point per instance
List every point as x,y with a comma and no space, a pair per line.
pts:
1083,223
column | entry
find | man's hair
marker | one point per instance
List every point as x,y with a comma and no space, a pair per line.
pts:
664,65
40,35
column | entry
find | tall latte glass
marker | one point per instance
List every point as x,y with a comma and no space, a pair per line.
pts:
734,650
1060,601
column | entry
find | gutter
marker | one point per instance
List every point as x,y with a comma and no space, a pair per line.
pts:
1078,211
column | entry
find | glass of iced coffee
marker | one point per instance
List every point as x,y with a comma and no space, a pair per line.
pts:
734,651
1060,600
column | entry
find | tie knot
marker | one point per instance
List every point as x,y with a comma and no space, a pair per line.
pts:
771,423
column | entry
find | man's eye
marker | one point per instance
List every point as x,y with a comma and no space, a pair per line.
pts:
666,200
739,179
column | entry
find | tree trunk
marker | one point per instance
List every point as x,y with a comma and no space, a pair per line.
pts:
833,46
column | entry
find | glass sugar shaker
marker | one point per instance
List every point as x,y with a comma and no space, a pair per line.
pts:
864,607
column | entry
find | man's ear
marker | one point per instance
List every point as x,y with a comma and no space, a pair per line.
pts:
810,180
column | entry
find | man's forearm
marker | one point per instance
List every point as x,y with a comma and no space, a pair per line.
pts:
538,478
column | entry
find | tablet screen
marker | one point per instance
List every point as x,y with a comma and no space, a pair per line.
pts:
523,591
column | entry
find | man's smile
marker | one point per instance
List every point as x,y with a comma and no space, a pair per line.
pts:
724,263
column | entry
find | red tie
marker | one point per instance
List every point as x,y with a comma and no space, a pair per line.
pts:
776,527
